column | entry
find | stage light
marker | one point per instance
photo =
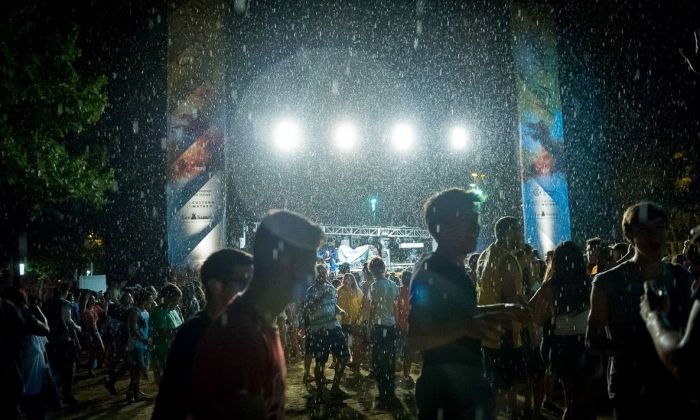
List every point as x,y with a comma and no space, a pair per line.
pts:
402,136
286,136
459,138
345,136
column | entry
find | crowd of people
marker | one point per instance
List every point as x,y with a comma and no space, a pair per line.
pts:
504,331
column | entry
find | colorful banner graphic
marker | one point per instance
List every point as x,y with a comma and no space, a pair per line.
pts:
195,143
541,126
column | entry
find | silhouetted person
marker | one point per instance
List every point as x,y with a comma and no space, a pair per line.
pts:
224,274
445,323
501,281
638,383
251,385
63,346
678,351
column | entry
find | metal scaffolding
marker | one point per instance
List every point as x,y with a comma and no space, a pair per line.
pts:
375,231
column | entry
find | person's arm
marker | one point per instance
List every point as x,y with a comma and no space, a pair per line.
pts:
67,318
597,340
133,322
373,305
677,351
35,325
539,304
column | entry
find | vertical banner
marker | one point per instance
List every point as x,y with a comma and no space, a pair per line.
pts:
195,142
541,127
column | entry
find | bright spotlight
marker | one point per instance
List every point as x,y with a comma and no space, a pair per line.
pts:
402,136
345,136
459,138
286,135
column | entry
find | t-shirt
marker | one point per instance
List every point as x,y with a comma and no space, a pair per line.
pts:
490,270
351,302
443,294
402,306
142,325
624,287
177,378
90,315
383,294
239,357
164,322
321,300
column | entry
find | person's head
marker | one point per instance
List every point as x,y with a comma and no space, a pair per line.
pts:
593,246
62,290
153,291
645,225
567,263
365,272
472,262
548,256
349,281
406,278
605,259
376,266
568,275
619,250
321,273
284,255
452,217
225,273
90,301
144,299
171,295
127,299
16,296
509,232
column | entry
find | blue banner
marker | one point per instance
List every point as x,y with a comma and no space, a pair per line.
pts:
541,127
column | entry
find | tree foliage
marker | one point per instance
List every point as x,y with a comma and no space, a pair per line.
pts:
45,108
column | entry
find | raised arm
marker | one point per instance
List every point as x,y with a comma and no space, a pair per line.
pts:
677,351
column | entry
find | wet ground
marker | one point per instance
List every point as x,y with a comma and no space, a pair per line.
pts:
97,403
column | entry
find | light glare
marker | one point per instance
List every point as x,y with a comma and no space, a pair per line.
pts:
345,136
459,138
287,136
402,137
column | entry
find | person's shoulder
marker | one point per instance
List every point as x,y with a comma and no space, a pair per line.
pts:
611,277
196,324
681,276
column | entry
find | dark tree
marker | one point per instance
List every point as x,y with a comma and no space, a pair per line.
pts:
48,160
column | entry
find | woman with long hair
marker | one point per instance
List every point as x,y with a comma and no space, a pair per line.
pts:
350,300
563,300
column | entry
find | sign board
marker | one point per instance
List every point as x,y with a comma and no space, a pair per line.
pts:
95,283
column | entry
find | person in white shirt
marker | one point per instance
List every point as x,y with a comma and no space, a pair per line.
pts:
383,296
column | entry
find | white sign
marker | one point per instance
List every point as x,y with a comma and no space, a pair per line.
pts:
94,283
411,245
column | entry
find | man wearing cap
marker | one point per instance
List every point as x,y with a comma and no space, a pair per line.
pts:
239,369
224,274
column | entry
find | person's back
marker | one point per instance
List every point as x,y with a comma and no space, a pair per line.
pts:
491,289
240,353
385,293
640,371
322,299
